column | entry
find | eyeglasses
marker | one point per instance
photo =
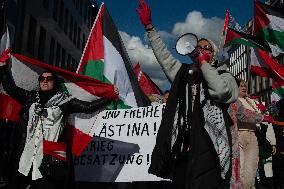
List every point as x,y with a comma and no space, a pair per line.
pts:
206,47
48,78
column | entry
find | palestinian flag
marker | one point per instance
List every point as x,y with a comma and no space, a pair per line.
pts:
145,82
265,66
258,66
226,22
25,72
230,22
269,26
277,91
237,37
105,58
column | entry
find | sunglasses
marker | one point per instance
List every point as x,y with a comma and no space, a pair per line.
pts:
206,48
48,78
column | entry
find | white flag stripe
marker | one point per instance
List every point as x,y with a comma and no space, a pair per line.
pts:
116,73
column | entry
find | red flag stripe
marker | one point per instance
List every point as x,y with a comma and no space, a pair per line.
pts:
94,42
91,85
260,18
9,108
261,71
77,139
273,64
56,149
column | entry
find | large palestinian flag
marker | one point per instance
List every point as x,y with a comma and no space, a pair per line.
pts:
237,37
105,58
25,72
269,26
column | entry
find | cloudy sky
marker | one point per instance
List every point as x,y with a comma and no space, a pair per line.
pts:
172,19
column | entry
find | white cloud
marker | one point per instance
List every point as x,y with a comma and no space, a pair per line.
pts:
195,22
140,53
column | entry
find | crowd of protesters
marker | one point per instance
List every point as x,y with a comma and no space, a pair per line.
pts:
212,135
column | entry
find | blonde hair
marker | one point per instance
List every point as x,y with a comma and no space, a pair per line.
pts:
243,82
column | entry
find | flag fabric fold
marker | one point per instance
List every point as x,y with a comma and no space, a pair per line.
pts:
145,82
105,58
237,37
269,26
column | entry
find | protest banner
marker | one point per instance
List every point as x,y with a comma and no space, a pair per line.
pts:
121,148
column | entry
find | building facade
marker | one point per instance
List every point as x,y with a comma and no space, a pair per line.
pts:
239,65
53,31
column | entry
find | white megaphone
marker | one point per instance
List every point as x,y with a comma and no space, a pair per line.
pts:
186,44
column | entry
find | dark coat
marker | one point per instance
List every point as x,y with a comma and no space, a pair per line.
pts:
192,162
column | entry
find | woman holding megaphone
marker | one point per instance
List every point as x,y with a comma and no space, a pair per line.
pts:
193,146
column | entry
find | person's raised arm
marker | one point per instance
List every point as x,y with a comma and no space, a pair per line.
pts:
79,106
8,83
169,64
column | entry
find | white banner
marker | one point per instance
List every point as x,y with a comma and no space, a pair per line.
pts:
122,147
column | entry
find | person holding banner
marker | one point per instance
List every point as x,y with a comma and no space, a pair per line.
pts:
193,146
42,122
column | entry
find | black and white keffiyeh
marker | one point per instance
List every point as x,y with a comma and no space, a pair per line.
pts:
193,109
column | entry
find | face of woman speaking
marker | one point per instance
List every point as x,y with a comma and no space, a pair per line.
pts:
207,47
46,81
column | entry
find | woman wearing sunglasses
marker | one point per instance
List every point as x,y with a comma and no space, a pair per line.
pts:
42,119
193,146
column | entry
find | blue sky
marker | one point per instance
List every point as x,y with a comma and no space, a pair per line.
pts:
165,13
165,16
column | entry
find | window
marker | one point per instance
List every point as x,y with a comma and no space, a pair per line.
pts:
89,18
31,35
45,4
81,7
61,14
79,38
85,11
75,33
55,9
73,65
68,64
83,42
41,46
71,28
77,4
63,59
66,20
51,51
58,50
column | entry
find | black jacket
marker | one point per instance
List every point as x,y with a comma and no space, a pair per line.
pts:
192,162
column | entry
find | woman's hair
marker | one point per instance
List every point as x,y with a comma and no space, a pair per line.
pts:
242,81
167,91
